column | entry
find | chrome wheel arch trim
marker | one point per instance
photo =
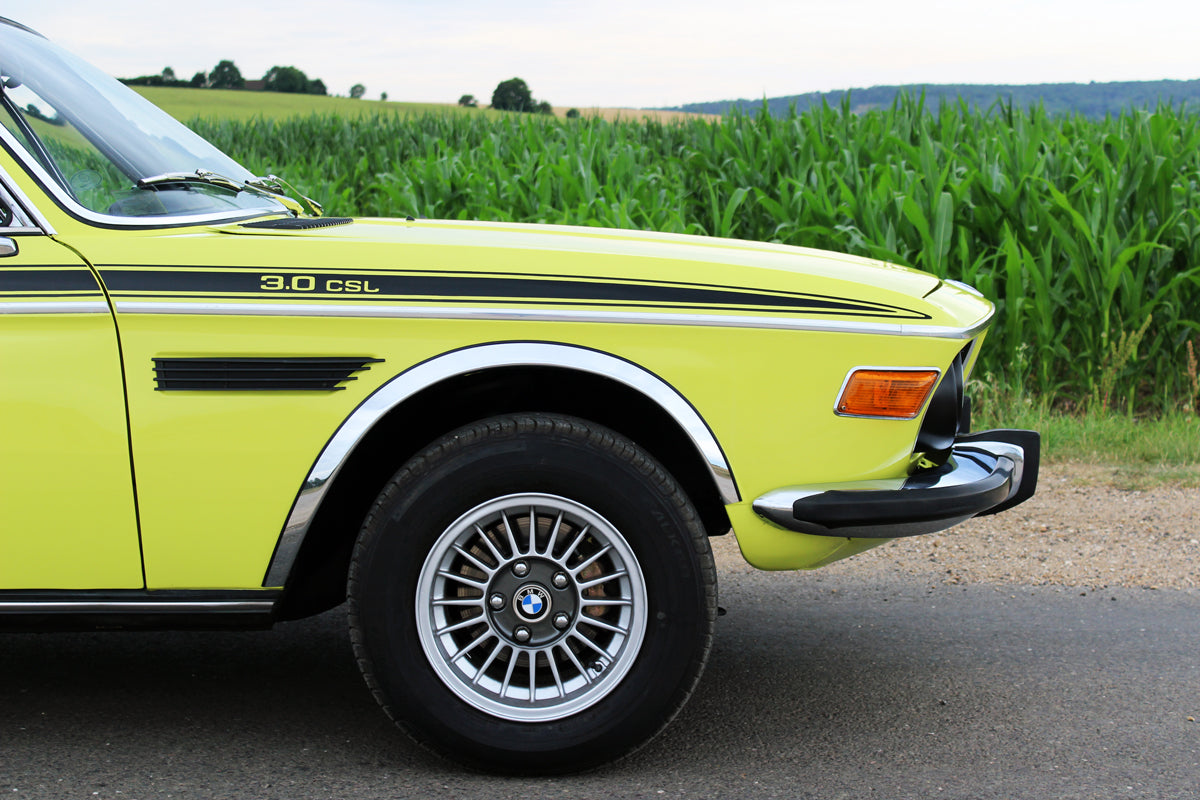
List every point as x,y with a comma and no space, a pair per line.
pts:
473,359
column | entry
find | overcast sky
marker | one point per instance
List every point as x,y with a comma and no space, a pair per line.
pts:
634,53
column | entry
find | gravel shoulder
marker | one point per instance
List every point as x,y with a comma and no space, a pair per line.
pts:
1076,531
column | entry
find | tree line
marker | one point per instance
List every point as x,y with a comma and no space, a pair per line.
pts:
514,94
226,75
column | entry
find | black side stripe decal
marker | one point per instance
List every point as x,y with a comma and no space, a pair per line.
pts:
28,284
474,288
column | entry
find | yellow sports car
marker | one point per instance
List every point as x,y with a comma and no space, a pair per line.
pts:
504,447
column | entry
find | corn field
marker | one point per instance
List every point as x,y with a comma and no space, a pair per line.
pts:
1085,234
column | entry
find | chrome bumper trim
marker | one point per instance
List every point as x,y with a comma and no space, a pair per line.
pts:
987,472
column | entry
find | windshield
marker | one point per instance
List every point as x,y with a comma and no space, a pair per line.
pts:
96,138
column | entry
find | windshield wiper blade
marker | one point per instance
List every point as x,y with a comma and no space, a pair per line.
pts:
268,186
199,176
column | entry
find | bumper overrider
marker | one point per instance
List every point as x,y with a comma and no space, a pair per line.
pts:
987,472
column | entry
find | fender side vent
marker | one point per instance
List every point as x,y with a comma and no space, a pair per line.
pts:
307,374
298,223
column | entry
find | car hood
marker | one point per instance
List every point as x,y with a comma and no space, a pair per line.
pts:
613,271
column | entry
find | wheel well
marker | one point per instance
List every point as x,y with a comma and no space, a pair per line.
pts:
318,578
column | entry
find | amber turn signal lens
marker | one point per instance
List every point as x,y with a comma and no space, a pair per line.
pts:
893,394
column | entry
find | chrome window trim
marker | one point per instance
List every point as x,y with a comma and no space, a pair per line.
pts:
52,188
553,315
837,401
472,359
33,221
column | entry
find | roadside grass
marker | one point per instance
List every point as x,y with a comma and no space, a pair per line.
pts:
1127,452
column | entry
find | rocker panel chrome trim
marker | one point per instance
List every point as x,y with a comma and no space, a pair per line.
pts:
135,606
472,359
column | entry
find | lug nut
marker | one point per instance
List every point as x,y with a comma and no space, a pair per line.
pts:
521,634
496,601
520,569
561,621
560,580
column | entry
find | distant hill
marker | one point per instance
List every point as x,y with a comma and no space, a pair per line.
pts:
1090,99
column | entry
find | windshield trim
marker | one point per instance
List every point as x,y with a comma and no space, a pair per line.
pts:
27,210
72,207
13,23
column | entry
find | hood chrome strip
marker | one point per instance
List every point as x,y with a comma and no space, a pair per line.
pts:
554,315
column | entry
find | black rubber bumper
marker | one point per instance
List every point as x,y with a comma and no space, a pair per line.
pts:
987,472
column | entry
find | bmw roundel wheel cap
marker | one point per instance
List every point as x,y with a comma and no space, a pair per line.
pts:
532,603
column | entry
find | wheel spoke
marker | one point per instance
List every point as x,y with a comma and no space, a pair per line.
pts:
458,626
595,623
575,661
579,637
512,540
512,665
571,549
487,540
459,601
554,533
482,567
468,648
488,662
532,531
603,579
604,602
554,671
591,560
532,676
454,576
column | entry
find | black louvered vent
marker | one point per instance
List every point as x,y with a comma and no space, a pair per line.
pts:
312,374
298,223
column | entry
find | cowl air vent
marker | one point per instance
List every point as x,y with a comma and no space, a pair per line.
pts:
298,223
307,374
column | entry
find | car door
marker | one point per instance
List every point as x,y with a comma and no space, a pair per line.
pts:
67,512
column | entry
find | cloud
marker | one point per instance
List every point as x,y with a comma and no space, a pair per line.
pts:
634,53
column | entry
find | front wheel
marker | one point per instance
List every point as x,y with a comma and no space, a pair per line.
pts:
532,593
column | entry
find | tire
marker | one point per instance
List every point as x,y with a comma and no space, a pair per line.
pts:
613,597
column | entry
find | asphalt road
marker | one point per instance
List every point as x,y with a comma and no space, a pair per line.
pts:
817,687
